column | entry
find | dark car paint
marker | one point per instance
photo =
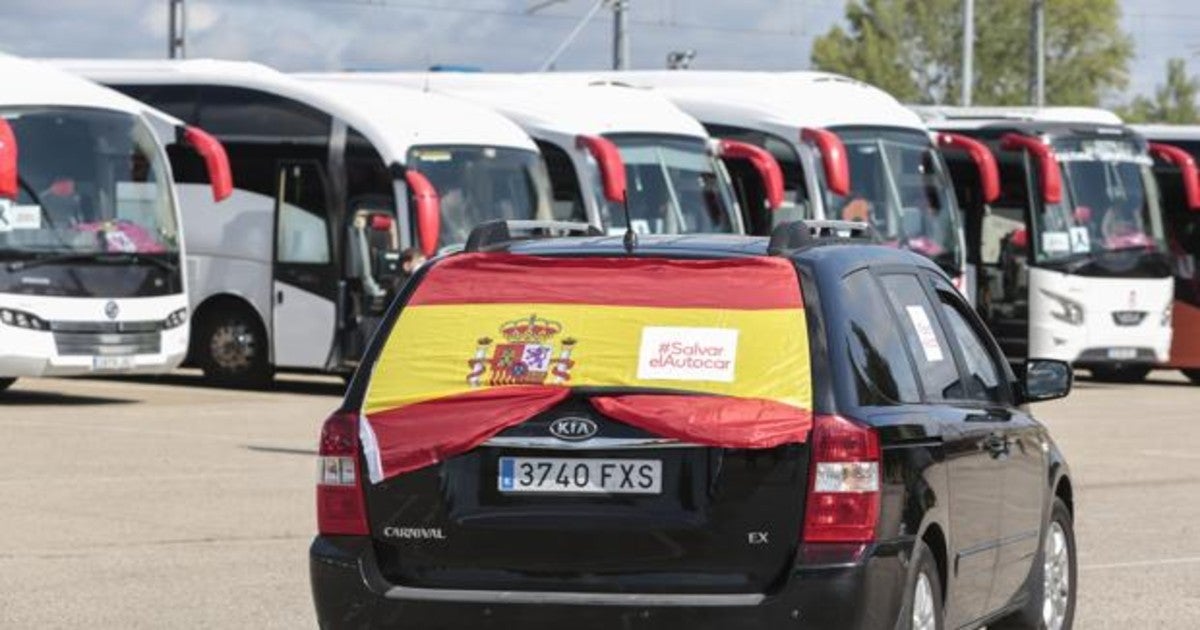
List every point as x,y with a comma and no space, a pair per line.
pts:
924,448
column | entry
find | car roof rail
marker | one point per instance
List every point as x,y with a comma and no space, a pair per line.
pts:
493,233
797,235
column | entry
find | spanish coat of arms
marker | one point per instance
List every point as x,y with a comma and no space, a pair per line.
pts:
524,357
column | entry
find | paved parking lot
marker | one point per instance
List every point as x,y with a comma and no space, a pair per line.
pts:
162,503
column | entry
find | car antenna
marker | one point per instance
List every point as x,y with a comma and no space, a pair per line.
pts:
631,239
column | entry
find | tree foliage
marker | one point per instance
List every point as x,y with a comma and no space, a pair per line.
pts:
913,49
1174,101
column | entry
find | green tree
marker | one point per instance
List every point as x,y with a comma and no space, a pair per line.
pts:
912,48
1173,102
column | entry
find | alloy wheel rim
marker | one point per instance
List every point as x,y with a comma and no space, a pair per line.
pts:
232,347
1056,577
923,612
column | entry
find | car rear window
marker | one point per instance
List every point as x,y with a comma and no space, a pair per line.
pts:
712,351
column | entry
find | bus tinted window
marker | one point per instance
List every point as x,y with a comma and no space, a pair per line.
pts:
229,111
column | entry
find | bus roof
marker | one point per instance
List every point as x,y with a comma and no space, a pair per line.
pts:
33,83
549,102
1169,132
392,118
977,117
785,101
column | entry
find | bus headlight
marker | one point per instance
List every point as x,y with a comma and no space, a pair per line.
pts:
175,319
21,319
1072,311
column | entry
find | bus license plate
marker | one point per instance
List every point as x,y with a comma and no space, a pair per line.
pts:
1122,353
591,476
112,364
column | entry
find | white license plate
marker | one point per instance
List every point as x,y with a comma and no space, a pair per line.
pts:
593,476
1122,353
112,364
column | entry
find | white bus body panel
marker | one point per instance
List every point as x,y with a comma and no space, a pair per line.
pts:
1052,338
25,352
304,324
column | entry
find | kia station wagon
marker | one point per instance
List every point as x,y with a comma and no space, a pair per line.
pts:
558,428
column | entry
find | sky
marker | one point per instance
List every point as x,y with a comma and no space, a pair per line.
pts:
498,34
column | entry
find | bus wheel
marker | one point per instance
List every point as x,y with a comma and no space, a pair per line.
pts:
1193,376
1126,374
5,383
232,349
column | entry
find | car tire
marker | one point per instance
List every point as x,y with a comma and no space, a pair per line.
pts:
1127,374
1059,613
230,346
5,383
1192,375
922,608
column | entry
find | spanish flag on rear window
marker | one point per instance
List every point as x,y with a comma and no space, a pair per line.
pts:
708,351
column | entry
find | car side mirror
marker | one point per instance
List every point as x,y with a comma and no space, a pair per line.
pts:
1046,379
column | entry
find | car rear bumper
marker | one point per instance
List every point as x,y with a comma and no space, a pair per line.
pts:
349,592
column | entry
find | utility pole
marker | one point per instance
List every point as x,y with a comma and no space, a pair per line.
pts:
620,34
177,17
1037,50
968,51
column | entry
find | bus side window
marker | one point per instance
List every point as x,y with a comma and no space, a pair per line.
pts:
302,234
568,202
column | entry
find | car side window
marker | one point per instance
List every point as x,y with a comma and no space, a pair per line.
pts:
883,372
985,375
927,342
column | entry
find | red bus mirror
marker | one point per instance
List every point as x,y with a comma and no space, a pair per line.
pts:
985,162
833,158
10,186
1187,169
216,161
763,162
612,168
1047,164
428,211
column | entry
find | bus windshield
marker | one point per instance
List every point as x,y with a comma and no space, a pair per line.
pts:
674,186
899,186
477,184
91,181
1111,201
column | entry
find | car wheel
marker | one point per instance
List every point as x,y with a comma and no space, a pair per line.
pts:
1051,585
5,383
1192,375
923,595
231,348
1128,374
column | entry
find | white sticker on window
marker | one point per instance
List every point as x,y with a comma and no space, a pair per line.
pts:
25,217
1080,243
1056,242
925,333
5,219
688,354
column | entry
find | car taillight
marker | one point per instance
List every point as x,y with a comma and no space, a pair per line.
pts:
340,508
843,491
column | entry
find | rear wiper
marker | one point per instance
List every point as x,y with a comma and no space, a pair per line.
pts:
93,256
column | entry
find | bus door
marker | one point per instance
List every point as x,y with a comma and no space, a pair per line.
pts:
305,283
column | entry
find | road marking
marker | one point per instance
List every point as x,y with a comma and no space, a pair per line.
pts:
1140,563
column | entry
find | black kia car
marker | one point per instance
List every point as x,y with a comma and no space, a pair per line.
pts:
556,428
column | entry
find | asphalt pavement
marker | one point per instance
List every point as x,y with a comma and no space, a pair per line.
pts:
161,503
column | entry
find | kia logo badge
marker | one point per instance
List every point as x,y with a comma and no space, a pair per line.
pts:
573,429
111,310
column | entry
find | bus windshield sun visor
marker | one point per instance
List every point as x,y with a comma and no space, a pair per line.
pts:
1047,164
763,162
833,158
216,161
985,162
612,168
9,184
1187,169
488,341
428,211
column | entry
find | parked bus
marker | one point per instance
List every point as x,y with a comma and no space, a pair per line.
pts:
1175,149
91,246
1073,252
334,182
847,150
598,140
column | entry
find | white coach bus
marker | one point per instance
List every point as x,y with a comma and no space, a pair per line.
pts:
334,181
1074,259
91,247
600,140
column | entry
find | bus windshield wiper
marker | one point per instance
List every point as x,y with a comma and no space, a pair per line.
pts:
106,257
